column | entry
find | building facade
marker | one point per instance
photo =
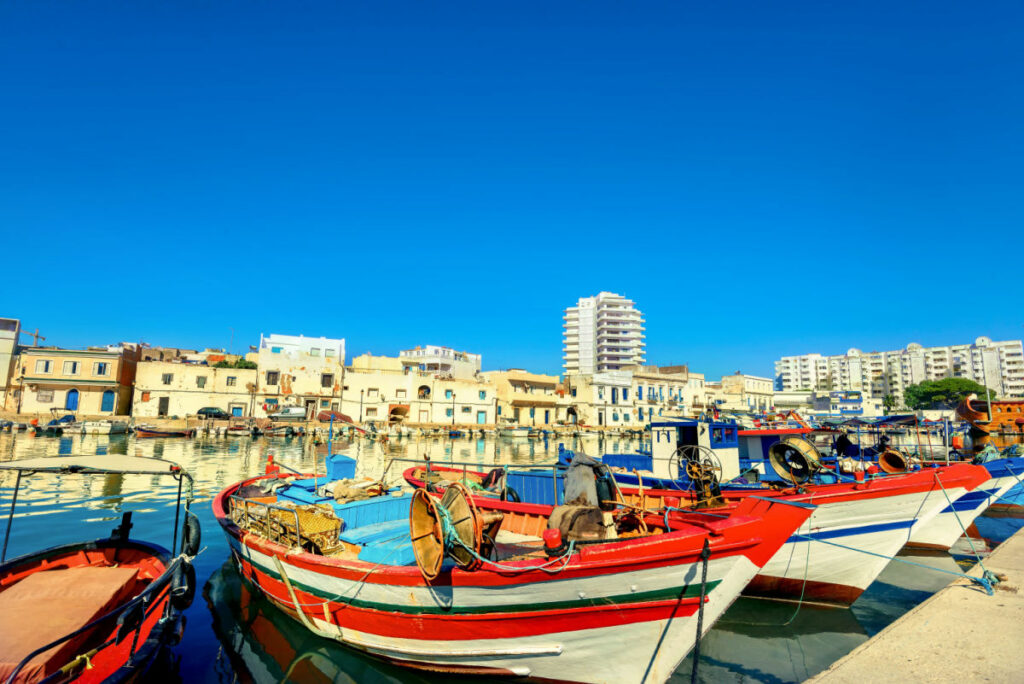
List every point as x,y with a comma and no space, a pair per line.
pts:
168,389
443,361
299,371
92,382
602,333
997,365
530,399
751,393
10,330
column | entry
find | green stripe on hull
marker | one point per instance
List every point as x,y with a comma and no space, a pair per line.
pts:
688,591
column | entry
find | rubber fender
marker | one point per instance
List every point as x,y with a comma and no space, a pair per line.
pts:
509,494
191,535
183,586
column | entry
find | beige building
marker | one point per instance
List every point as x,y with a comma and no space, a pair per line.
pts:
384,389
10,329
175,388
526,398
443,361
747,393
94,381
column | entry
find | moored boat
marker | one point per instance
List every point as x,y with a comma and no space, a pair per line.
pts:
528,593
99,610
104,427
988,416
150,431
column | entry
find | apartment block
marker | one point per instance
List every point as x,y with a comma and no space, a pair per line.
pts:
602,333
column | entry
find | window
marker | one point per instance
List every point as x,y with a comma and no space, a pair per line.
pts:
327,380
400,394
270,401
329,353
231,381
201,381
533,412
372,393
314,351
324,403
273,377
101,368
625,394
145,396
600,393
466,409
447,394
371,412
448,412
44,366
166,378
44,396
70,368
574,391
483,394
275,350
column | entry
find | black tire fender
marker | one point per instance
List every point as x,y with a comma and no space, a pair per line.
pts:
191,534
183,586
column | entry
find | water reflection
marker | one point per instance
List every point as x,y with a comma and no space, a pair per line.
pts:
750,643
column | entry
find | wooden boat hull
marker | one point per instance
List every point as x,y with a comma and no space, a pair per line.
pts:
149,432
630,605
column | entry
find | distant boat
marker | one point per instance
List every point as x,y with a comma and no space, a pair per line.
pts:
150,431
513,431
1007,414
104,427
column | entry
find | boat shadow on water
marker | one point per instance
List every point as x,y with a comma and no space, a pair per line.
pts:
261,644
759,640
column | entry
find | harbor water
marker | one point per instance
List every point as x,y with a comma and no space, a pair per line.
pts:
234,635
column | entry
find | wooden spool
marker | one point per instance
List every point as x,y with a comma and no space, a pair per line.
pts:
472,528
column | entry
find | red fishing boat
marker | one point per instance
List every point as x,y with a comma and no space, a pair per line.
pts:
472,585
94,611
150,431
848,540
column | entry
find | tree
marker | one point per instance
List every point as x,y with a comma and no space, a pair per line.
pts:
889,402
941,394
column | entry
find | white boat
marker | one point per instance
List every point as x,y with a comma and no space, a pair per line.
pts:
104,427
514,431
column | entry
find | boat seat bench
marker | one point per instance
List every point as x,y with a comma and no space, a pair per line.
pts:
49,604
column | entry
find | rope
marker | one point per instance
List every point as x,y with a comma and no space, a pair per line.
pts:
452,539
705,554
963,529
985,582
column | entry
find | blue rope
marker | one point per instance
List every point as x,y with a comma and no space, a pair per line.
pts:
452,540
985,580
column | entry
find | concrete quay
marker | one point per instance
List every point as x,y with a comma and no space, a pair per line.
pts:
960,634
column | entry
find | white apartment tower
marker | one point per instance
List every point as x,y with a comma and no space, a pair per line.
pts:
997,365
602,333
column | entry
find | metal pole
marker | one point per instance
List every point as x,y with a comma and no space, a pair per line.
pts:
177,512
10,517
453,409
330,434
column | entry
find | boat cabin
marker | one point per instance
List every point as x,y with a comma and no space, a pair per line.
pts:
668,437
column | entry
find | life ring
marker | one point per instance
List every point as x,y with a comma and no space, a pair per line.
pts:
183,586
191,535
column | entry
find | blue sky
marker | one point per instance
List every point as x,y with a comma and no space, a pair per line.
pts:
762,178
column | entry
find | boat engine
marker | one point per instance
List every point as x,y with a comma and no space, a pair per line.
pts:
794,459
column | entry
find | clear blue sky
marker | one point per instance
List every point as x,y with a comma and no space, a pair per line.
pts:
400,174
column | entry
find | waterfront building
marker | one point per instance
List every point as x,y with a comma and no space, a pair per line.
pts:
997,365
601,399
602,333
93,381
753,393
295,370
444,361
179,389
526,398
148,353
666,391
10,330
387,390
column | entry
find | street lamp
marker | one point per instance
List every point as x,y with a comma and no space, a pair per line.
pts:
453,408
361,406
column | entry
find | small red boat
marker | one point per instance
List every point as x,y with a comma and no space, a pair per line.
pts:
150,431
94,611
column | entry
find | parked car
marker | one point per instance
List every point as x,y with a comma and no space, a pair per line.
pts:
214,413
288,413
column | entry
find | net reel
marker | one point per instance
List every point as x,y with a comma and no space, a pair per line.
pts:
452,527
794,459
704,471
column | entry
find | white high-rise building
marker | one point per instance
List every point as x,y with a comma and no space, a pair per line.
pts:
602,333
997,365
